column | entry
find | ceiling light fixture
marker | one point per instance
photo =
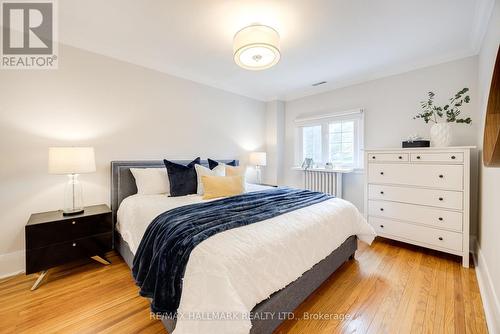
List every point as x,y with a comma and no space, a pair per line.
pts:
256,47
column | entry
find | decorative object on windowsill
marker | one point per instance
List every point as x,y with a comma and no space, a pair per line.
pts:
329,165
441,116
72,161
491,141
308,163
415,141
259,160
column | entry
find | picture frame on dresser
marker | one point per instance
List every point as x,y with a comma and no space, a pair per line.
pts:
421,196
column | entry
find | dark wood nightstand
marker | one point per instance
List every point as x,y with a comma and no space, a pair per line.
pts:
53,239
267,185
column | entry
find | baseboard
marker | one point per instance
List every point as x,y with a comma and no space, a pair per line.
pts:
491,302
11,264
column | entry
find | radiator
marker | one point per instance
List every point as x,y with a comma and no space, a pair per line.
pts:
325,182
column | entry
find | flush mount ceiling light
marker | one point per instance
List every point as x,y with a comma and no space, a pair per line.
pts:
256,47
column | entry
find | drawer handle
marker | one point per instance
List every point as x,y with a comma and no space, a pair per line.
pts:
400,157
381,173
440,218
441,176
73,222
440,198
74,244
381,192
418,157
382,226
453,157
373,157
440,238
381,209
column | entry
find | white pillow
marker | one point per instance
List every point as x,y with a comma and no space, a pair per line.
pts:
151,181
219,170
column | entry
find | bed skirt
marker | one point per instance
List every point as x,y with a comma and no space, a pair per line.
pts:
284,300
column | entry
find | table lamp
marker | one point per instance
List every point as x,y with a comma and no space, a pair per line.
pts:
258,159
72,161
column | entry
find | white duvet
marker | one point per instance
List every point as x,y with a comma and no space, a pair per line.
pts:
231,272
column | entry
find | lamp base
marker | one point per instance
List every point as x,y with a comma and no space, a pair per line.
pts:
73,199
72,212
258,172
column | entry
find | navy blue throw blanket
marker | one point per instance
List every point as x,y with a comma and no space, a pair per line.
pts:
162,256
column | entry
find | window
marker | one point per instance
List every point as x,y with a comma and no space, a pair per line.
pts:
341,142
334,138
312,142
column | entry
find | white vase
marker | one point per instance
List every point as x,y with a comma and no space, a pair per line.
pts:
441,135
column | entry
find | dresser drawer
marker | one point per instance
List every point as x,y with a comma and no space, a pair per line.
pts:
438,218
388,157
46,257
437,157
433,176
41,235
432,197
417,233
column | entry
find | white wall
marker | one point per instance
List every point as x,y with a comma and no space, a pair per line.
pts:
489,210
124,111
275,138
389,103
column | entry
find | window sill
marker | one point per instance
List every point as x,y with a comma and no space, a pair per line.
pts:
344,170
358,171
326,170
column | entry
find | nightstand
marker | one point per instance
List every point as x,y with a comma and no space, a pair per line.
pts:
53,239
267,185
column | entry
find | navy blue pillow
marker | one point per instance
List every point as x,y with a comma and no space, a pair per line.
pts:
182,178
213,163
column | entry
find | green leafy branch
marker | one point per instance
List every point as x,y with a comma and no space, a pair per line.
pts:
432,113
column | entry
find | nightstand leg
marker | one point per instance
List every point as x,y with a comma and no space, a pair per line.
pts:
39,280
100,259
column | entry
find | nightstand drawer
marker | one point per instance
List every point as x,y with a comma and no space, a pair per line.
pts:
46,257
42,235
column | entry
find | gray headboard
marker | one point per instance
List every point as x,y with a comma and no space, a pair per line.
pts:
123,182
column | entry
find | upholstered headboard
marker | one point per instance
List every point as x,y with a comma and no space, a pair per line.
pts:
123,182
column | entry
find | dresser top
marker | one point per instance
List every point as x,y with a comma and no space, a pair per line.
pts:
448,148
54,216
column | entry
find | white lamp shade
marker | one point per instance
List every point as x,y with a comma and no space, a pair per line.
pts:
71,160
256,47
258,158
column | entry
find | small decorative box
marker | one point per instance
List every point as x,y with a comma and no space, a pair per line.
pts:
416,143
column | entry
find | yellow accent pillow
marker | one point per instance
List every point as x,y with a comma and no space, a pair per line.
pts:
235,171
222,186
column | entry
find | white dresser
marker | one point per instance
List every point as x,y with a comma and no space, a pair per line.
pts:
420,196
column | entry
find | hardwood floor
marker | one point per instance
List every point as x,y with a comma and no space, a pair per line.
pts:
393,287
390,288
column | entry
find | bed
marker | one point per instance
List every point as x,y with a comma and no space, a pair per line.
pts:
136,211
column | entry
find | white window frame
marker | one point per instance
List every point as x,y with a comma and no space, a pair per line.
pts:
324,120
